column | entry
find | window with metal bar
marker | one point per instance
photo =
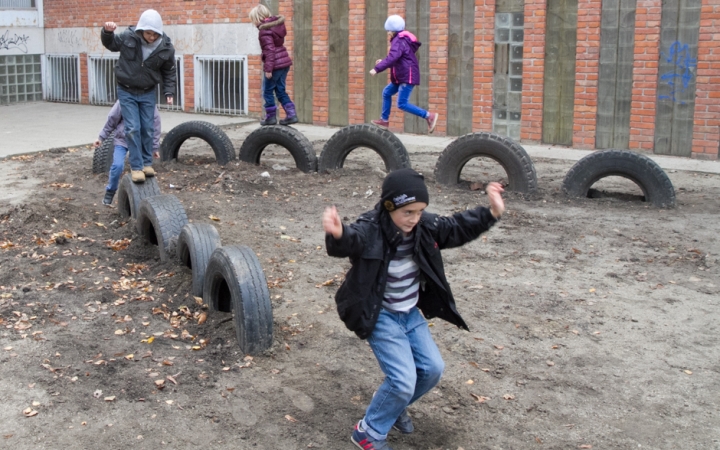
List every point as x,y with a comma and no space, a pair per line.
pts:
221,86
17,4
62,78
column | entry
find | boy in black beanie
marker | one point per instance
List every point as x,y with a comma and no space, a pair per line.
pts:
396,278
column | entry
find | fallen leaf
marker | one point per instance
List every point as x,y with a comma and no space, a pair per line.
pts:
29,412
169,377
110,399
129,357
202,318
689,372
585,446
160,384
480,398
576,250
499,347
509,397
216,219
469,382
550,363
291,418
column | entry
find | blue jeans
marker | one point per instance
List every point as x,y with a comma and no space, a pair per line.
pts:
402,101
275,85
138,111
411,362
117,167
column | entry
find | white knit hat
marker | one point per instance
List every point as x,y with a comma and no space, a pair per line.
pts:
395,23
150,20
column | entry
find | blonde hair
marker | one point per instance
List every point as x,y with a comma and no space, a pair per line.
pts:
258,14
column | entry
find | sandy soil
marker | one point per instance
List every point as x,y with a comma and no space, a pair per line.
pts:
594,322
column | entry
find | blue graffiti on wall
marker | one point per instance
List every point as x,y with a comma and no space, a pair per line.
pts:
8,42
678,55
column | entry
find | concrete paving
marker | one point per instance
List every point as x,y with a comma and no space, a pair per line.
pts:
37,126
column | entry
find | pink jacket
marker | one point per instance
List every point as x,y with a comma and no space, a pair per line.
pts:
272,42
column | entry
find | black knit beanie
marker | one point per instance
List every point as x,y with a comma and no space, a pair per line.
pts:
402,187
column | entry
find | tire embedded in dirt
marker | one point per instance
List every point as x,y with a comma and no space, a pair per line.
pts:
160,220
212,134
103,155
511,156
131,194
383,142
195,244
293,140
234,280
638,168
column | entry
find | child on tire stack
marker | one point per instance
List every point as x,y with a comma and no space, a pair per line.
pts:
147,57
115,123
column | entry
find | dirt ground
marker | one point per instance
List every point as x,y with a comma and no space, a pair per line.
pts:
594,322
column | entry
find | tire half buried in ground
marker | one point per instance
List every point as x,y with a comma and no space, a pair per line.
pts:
131,194
195,244
638,168
291,139
383,142
212,134
160,220
234,280
511,156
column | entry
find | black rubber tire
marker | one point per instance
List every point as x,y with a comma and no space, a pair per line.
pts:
103,155
160,220
212,134
235,280
383,142
131,194
643,171
511,156
195,244
294,141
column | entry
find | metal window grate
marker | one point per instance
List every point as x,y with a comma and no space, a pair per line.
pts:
20,79
103,84
101,79
62,78
19,4
221,84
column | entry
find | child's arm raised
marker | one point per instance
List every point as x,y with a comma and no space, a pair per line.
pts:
109,39
331,222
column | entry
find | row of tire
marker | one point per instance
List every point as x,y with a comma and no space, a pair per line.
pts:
228,278
652,180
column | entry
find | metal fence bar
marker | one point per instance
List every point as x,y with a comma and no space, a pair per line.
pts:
17,4
62,78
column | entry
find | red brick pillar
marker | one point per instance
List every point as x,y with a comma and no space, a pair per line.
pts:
356,63
645,74
188,82
84,79
706,132
321,50
285,8
483,65
437,84
586,73
533,71
255,95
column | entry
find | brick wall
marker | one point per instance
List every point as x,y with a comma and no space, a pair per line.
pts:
483,65
437,85
321,50
645,74
706,132
533,71
586,78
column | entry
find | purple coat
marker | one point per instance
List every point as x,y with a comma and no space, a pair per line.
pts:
272,42
401,59
115,123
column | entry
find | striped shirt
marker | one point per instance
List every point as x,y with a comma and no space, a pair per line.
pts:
403,280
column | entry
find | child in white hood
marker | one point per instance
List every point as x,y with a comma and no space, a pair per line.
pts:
147,58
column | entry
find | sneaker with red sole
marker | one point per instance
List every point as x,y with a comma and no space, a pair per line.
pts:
384,124
367,442
432,119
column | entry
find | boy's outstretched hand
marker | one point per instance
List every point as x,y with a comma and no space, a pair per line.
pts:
331,222
110,27
497,205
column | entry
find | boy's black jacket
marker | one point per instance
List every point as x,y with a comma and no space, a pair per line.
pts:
134,74
371,243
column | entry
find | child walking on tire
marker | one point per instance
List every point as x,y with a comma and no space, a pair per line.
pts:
115,123
396,281
147,57
276,65
404,73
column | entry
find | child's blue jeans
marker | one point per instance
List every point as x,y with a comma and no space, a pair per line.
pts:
411,362
138,111
403,101
117,167
275,86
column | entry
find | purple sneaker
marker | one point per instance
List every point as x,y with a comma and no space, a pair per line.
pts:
384,124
